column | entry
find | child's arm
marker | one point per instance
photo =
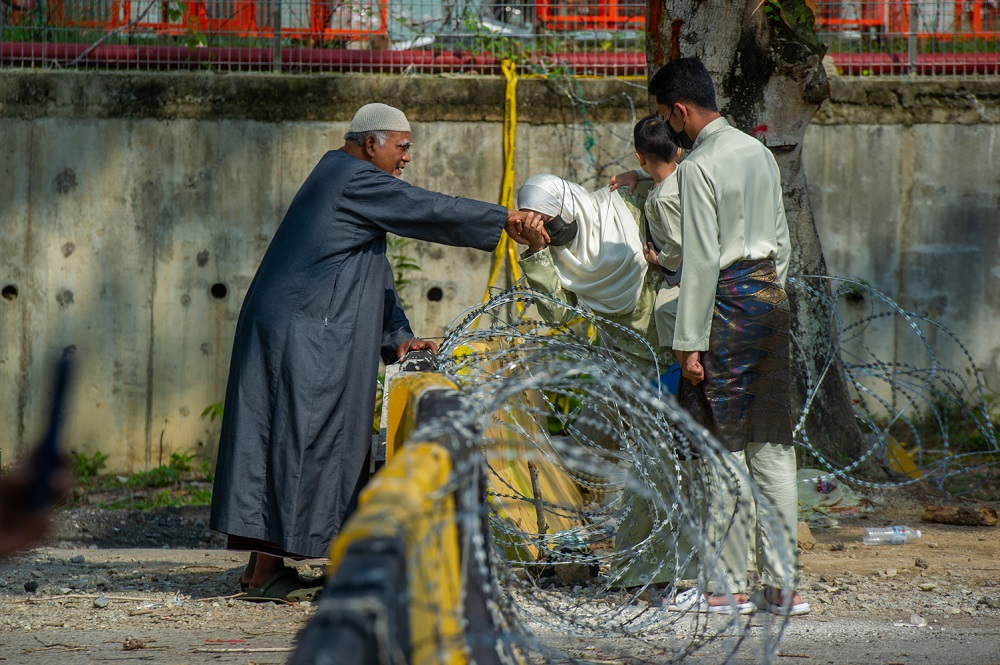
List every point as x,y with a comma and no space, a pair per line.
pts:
664,215
628,179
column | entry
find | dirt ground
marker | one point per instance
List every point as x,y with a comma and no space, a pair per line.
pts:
155,586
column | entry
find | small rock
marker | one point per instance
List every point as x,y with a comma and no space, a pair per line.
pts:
890,572
806,539
31,586
65,590
79,558
917,620
920,563
928,586
37,574
100,602
992,602
79,583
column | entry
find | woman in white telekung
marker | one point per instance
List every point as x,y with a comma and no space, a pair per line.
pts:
594,258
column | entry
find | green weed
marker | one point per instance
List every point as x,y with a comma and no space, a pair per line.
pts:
213,411
87,467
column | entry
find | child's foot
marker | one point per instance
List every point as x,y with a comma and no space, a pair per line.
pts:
777,601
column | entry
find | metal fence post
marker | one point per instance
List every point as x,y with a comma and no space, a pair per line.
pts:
276,46
911,42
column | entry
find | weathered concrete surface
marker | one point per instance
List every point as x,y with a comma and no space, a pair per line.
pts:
910,101
914,210
30,94
134,209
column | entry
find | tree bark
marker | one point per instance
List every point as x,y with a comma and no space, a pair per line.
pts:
766,61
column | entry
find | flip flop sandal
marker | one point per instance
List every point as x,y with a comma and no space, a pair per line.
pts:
798,609
276,588
693,600
309,594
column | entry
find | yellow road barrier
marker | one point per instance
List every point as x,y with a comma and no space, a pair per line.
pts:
410,499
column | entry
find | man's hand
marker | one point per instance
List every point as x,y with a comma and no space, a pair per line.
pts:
515,225
651,254
691,367
628,179
534,233
415,345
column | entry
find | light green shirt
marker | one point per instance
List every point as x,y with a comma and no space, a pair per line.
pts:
731,209
663,212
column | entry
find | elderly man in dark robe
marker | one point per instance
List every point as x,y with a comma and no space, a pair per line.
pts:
321,309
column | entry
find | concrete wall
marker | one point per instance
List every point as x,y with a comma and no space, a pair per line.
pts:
134,209
904,180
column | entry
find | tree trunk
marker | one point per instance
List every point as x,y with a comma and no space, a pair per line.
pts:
766,62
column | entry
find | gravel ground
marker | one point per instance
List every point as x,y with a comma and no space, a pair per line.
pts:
156,586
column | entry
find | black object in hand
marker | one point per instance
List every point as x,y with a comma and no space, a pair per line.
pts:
46,459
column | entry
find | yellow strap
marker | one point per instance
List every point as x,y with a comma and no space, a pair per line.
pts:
506,249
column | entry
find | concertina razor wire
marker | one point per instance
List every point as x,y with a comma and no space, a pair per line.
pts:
603,564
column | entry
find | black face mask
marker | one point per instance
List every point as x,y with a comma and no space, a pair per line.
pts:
560,231
680,138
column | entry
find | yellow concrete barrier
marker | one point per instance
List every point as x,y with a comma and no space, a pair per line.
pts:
411,498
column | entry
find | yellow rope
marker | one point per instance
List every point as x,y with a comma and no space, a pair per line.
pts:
506,249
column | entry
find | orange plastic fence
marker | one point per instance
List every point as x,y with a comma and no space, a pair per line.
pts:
320,20
330,20
933,19
591,14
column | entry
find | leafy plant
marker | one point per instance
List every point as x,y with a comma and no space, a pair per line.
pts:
213,411
402,265
86,468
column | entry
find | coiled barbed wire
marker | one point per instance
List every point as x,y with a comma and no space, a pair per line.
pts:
918,400
545,404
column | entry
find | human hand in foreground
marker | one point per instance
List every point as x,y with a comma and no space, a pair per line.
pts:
415,344
650,253
628,179
515,220
21,527
515,225
691,367
535,235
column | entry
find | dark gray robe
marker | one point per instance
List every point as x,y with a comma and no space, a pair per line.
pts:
297,425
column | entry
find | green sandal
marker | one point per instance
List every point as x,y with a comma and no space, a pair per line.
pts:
277,588
309,594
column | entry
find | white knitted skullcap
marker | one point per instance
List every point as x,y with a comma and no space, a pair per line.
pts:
378,117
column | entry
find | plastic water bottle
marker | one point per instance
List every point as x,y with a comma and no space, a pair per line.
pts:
890,535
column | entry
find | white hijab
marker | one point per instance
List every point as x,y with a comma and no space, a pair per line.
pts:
604,265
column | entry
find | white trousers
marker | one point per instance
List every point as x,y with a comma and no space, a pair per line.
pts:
734,520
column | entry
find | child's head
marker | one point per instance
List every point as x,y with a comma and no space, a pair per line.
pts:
653,142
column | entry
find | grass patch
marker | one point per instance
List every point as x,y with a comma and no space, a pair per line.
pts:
185,481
